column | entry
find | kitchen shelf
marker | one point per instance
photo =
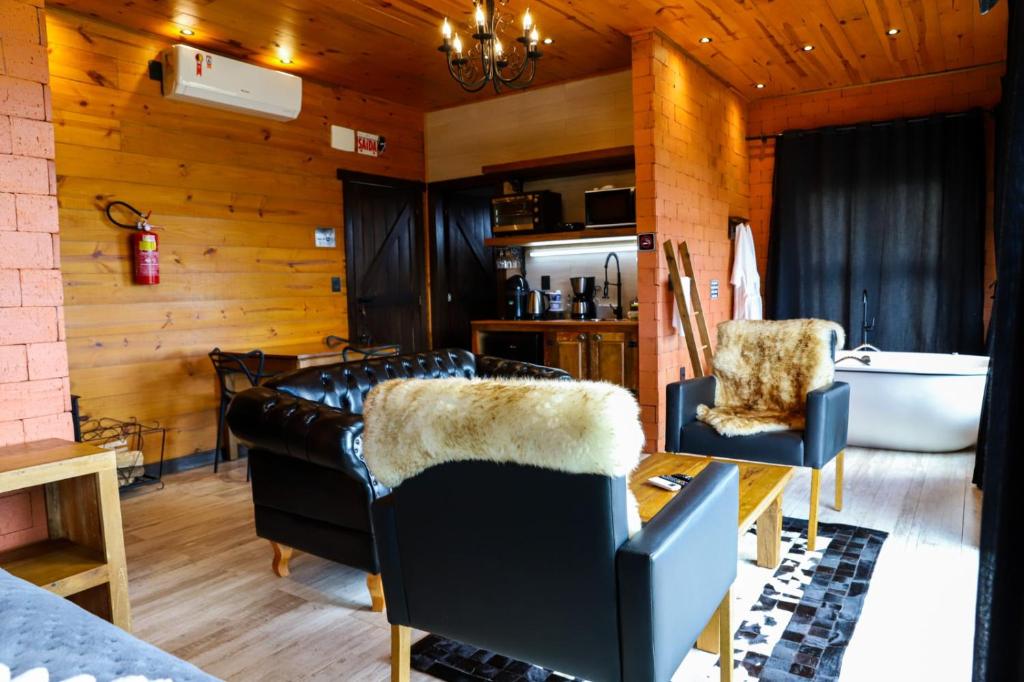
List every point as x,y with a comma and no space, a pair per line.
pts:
545,238
60,566
580,163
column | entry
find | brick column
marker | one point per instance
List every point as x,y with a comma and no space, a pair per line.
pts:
692,173
34,388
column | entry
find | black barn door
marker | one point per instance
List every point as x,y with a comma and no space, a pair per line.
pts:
384,260
463,271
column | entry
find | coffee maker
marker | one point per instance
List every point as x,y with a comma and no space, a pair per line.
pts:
583,305
516,291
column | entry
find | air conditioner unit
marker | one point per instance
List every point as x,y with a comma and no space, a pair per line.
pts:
200,77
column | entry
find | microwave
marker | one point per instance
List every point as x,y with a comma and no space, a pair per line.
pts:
527,212
610,207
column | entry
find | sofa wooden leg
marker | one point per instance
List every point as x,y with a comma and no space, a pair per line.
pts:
376,587
812,519
282,553
401,641
840,465
725,637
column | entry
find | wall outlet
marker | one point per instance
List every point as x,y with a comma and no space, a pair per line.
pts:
336,284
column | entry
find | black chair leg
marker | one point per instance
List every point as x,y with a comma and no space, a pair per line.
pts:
217,451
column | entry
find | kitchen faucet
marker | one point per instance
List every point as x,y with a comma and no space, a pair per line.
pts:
618,284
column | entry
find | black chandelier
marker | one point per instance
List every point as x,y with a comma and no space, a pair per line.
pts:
489,60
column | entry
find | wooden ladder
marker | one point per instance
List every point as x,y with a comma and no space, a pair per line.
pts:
699,370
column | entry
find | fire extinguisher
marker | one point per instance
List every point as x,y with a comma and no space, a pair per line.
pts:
145,245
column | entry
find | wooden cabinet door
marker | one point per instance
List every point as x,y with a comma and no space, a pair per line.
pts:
613,358
568,351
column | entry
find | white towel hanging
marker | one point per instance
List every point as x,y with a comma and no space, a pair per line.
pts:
745,278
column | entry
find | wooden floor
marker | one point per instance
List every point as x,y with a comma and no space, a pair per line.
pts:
201,585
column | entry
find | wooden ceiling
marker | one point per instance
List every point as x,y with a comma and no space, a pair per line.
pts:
387,48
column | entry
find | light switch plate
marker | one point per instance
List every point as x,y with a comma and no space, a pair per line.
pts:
714,289
324,238
336,284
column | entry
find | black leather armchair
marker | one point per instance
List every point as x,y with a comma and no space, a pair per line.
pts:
536,564
823,439
310,487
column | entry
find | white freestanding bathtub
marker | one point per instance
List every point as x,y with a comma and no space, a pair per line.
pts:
922,402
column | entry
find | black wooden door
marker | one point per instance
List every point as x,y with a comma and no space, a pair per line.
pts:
385,261
464,277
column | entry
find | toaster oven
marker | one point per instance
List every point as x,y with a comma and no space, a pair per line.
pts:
527,212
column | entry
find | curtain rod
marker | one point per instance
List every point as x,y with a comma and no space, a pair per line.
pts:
872,124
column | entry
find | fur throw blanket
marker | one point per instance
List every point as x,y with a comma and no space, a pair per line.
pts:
579,427
764,371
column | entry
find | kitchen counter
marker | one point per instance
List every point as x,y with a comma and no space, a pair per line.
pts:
599,350
482,327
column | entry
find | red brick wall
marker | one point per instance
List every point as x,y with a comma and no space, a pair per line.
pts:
943,93
692,174
33,359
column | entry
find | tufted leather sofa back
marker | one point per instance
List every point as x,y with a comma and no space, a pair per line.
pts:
344,386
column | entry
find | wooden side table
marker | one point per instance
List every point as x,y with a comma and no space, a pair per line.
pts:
83,559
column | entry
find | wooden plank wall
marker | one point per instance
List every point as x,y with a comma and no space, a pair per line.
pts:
583,115
237,198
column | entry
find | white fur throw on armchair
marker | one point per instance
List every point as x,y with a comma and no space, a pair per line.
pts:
764,371
571,426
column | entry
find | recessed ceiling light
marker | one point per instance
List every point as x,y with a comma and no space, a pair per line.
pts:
548,41
893,31
187,32
759,86
807,48
705,40
287,60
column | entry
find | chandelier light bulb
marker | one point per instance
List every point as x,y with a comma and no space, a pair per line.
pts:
497,48
480,17
534,36
527,20
446,29
457,44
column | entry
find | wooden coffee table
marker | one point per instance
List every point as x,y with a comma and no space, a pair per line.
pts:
761,487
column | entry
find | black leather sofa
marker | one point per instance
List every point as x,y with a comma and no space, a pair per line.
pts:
303,429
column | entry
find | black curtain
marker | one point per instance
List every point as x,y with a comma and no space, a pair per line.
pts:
894,208
999,631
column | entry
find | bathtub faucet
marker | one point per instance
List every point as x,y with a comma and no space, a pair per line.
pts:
865,327
864,359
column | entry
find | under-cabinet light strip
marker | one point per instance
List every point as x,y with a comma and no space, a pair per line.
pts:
619,247
588,240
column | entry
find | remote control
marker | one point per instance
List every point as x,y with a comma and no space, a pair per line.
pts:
664,484
681,479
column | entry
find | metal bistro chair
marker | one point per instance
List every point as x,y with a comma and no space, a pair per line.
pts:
229,366
364,352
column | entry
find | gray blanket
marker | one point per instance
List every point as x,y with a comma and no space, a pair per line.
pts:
40,629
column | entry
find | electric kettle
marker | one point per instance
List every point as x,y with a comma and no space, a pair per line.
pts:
536,305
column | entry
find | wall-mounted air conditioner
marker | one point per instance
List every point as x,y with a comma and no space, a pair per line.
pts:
200,77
